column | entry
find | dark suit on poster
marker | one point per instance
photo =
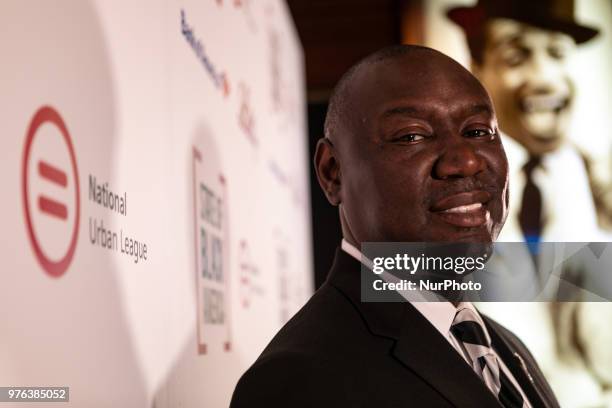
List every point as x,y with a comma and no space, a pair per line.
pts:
341,352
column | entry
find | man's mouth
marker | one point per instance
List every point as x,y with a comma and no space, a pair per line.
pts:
467,209
464,209
540,103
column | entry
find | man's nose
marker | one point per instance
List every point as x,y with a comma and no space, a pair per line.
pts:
546,72
458,160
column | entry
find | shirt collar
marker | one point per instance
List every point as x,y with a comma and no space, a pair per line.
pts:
439,314
353,251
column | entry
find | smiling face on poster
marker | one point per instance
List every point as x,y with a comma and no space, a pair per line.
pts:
525,69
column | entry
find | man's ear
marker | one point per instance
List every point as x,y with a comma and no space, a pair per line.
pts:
327,168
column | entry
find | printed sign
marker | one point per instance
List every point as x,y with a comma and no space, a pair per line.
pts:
212,264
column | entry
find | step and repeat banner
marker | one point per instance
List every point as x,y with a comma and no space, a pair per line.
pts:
155,196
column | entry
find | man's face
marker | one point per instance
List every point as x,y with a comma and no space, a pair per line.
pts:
525,70
424,162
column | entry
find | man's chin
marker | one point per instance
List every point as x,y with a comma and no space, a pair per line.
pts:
539,139
541,142
480,235
472,239
538,145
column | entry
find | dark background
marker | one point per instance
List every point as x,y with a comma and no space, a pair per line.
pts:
335,34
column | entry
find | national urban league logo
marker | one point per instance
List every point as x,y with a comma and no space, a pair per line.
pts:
50,183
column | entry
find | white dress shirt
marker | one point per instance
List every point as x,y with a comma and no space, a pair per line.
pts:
440,315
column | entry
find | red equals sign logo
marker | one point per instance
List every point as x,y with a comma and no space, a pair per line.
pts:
54,248
46,204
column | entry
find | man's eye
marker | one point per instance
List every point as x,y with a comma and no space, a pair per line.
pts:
410,137
480,133
558,53
515,56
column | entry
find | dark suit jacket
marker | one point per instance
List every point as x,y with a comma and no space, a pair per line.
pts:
339,352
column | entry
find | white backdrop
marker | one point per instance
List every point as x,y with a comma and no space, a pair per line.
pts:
191,114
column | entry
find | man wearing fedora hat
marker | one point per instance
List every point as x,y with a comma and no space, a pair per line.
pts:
519,52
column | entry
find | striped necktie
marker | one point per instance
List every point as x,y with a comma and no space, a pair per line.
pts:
476,341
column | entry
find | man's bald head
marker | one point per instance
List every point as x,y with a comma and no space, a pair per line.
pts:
341,103
412,152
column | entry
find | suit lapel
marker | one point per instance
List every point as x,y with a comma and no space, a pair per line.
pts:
418,345
528,376
422,349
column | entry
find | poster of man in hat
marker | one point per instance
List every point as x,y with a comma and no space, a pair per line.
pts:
522,51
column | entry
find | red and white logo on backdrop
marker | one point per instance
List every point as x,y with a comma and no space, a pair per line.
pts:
50,187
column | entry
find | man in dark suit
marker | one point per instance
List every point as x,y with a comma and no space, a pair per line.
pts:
411,154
